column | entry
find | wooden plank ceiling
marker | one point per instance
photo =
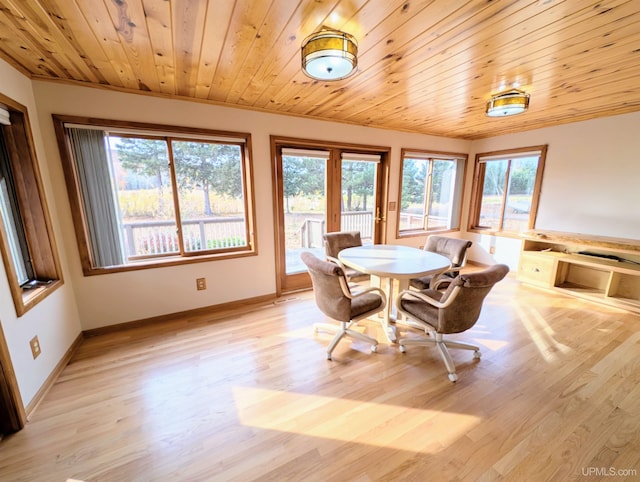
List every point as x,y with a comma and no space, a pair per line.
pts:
423,66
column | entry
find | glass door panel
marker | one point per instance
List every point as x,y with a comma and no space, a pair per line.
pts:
304,204
358,203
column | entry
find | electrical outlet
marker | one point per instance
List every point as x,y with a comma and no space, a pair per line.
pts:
35,347
201,284
492,250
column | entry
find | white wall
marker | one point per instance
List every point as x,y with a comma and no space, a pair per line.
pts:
117,298
55,320
575,170
590,183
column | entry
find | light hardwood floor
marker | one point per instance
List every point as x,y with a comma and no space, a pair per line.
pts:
250,396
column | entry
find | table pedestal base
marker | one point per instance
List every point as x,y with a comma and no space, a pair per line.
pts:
389,314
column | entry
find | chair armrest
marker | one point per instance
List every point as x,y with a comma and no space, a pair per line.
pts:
427,299
371,289
437,283
463,263
436,278
336,261
346,290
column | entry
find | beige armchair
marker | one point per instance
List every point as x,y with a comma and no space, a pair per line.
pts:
453,248
336,242
453,310
335,299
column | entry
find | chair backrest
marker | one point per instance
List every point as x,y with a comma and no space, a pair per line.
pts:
336,242
327,289
465,309
453,248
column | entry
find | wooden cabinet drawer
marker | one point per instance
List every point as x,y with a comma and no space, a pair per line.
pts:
536,269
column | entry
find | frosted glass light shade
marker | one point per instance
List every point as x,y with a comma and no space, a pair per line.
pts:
508,103
329,55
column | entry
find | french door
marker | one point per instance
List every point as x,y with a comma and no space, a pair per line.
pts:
323,188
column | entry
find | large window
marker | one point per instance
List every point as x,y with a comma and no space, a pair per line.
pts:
506,190
431,192
26,238
144,195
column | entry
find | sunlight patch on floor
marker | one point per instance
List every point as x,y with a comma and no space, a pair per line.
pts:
325,335
541,333
304,332
354,421
493,345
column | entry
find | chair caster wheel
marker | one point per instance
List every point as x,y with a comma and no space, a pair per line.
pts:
477,354
374,348
453,377
403,349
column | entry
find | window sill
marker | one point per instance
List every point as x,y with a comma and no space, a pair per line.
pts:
422,232
491,232
165,262
31,297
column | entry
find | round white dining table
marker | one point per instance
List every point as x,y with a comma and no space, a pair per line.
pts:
387,263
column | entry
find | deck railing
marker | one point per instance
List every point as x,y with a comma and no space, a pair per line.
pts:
148,238
312,230
411,221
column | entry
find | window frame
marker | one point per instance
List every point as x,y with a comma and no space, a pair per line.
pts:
478,184
170,133
34,211
462,161
15,232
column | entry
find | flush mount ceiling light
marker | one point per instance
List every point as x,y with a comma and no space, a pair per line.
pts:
329,55
507,103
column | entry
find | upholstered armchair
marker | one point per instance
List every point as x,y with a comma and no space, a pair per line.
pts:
454,310
453,248
336,300
336,242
